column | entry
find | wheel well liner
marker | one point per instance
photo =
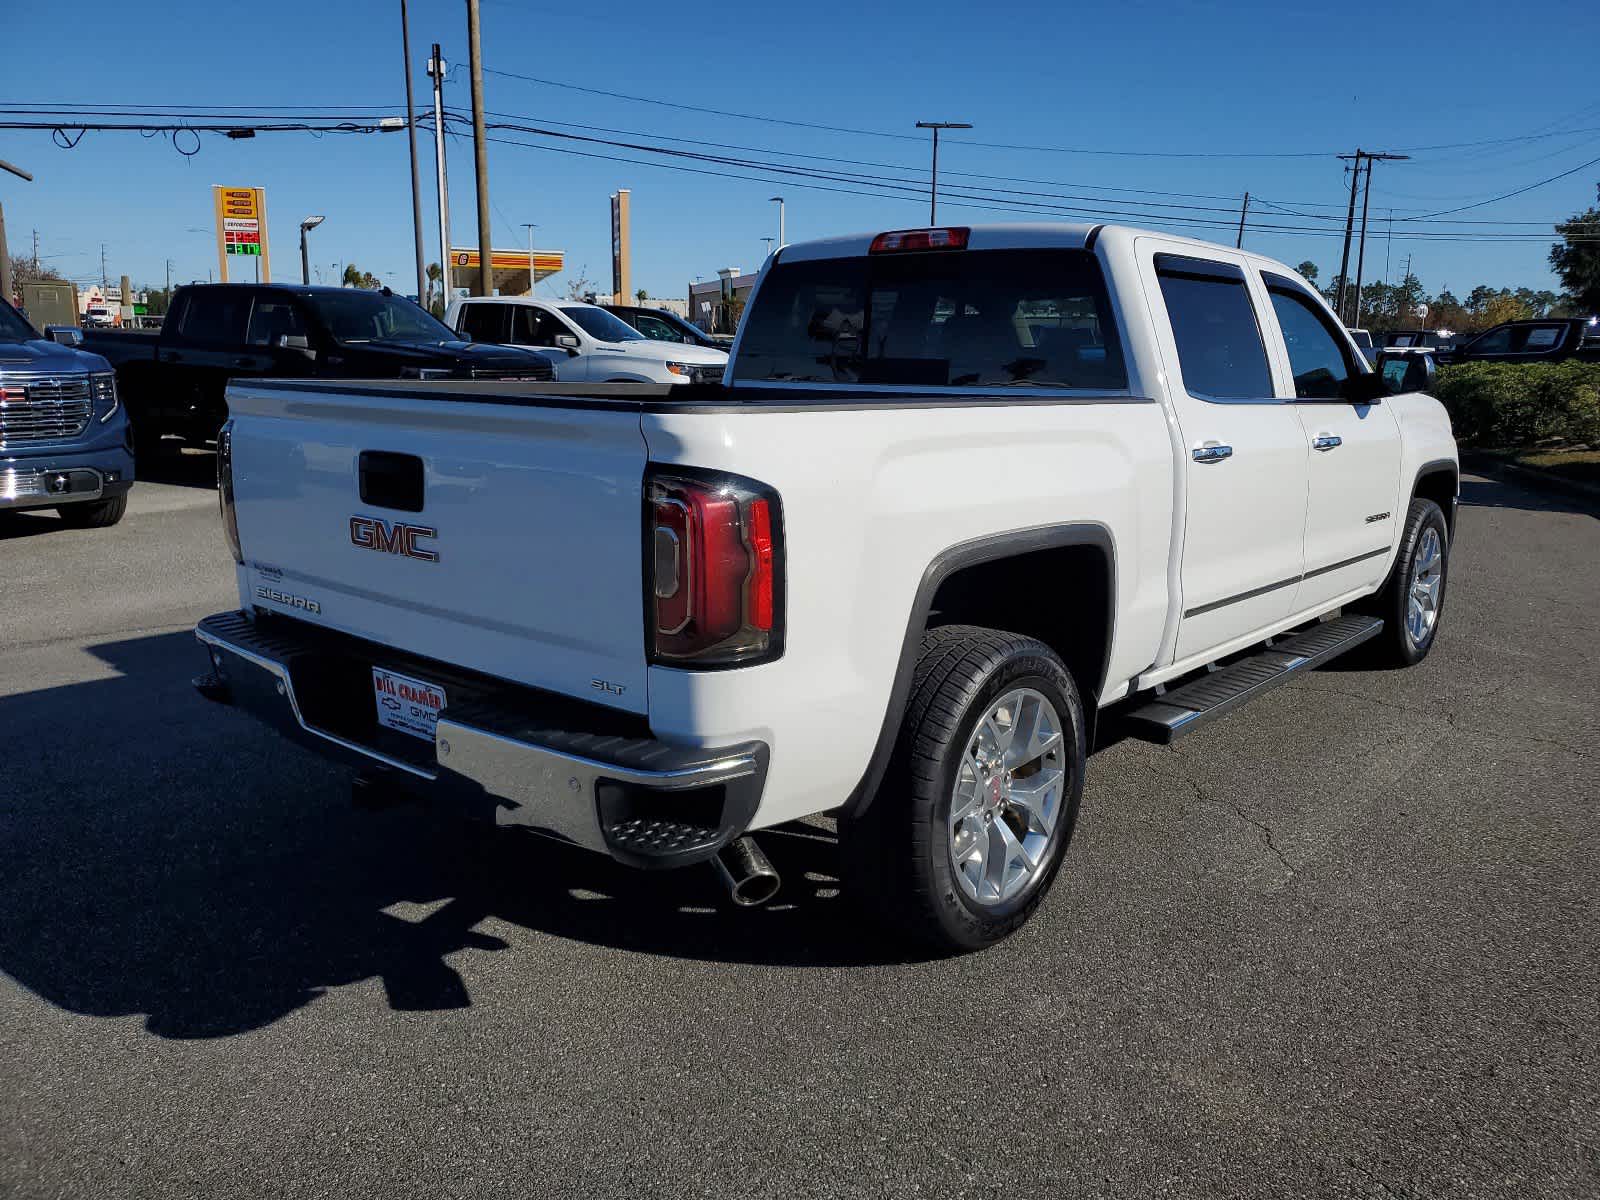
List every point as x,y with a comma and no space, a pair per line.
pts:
1075,622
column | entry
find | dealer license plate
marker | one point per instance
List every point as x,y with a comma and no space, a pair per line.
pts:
406,704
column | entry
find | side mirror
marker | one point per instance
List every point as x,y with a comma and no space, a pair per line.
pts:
66,335
296,343
567,342
1407,372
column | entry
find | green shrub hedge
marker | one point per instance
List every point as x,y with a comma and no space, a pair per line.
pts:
1522,404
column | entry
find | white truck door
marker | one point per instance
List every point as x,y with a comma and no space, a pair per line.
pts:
537,327
1244,451
1354,469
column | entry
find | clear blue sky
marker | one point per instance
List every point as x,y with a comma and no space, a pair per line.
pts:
1244,78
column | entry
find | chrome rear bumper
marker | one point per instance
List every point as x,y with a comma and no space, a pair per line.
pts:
643,802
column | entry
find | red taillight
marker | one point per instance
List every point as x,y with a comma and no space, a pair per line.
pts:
903,241
715,560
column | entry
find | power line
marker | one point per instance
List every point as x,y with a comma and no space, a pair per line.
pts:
1170,154
1506,195
894,191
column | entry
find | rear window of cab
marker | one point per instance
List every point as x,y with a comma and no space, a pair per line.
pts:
966,318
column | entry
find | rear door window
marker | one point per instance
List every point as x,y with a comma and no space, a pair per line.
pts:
273,317
967,318
216,316
1539,337
1220,350
483,322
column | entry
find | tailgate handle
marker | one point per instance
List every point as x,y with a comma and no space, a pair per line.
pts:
390,480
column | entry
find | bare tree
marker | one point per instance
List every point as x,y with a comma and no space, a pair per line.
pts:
580,285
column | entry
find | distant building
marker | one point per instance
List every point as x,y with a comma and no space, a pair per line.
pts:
714,304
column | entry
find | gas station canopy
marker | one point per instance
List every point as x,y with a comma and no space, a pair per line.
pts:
510,267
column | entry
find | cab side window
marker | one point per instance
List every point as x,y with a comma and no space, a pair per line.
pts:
657,329
273,317
533,326
1220,350
1318,359
482,322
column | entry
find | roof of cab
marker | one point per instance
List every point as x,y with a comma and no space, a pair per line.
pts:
1023,235
1016,235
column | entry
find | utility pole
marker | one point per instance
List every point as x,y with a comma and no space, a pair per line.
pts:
480,153
411,139
1349,229
1361,254
1388,245
1238,242
1369,158
436,71
933,187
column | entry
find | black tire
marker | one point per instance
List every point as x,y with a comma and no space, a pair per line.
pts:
101,514
897,859
1398,645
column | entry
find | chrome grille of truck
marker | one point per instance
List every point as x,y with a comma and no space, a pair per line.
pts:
43,408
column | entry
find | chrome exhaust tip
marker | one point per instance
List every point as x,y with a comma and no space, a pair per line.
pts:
746,873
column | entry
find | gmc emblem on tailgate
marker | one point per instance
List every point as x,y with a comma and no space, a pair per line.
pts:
374,533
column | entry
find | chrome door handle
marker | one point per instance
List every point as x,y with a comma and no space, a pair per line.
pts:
1327,441
1212,452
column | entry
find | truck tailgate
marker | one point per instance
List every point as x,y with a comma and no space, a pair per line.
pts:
501,537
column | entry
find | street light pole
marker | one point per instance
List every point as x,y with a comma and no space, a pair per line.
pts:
306,227
778,200
411,138
530,227
933,190
436,69
768,241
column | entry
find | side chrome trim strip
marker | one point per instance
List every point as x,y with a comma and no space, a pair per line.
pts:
1202,609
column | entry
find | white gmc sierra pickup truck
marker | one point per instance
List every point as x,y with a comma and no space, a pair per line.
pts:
963,496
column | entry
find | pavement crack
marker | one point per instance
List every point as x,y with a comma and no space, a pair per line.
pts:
1264,829
1448,716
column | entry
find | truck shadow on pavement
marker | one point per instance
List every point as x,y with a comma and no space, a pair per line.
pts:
165,857
1490,493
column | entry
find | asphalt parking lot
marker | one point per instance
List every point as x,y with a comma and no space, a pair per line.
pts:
1346,942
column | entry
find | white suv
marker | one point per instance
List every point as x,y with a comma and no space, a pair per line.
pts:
600,348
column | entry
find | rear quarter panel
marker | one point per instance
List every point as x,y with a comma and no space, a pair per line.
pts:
871,497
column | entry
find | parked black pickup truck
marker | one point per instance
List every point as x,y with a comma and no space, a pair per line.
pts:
1551,340
174,381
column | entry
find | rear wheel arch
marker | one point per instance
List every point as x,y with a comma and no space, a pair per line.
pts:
1070,607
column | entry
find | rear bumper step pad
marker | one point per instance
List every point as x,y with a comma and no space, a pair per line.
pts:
1186,708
